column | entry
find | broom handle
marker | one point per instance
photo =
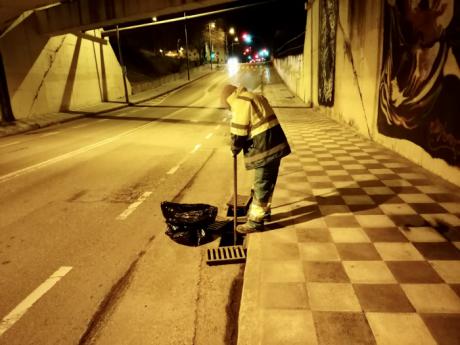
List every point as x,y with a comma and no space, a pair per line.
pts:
235,191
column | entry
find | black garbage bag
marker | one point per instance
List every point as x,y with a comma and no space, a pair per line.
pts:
188,223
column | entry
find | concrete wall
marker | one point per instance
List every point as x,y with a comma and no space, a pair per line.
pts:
358,65
292,71
47,75
142,86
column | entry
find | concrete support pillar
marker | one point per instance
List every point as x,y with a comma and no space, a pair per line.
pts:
5,103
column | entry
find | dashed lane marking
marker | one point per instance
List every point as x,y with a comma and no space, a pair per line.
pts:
131,208
10,319
196,148
174,169
209,135
217,127
80,126
177,166
49,134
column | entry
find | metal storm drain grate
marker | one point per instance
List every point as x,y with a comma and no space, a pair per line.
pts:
226,255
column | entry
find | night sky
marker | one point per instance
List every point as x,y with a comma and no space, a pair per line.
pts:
271,25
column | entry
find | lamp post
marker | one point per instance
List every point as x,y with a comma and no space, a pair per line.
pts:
231,32
186,47
211,25
235,41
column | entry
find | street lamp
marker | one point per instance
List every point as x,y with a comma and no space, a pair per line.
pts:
231,31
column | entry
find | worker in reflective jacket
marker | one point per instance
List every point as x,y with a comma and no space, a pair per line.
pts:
255,130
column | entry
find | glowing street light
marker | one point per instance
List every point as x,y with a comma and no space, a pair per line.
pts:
154,19
231,31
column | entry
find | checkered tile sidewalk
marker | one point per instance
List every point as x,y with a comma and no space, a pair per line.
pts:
363,247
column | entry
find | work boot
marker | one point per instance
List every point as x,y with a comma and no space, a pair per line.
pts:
249,227
268,216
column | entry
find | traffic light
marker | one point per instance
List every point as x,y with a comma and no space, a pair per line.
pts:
246,37
263,52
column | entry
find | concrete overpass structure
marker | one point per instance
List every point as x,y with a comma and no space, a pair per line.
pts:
54,58
66,16
84,15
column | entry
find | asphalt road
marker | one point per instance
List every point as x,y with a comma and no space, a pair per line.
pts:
80,204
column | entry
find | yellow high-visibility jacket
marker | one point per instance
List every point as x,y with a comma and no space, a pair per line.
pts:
255,129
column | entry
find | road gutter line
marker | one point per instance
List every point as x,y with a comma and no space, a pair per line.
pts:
131,208
10,319
108,304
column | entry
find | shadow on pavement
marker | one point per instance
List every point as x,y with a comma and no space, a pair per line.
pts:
306,213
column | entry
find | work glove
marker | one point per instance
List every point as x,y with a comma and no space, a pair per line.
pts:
236,150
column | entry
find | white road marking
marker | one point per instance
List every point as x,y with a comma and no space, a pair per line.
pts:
173,169
69,154
102,120
133,206
209,135
10,144
14,315
224,119
217,127
49,134
80,126
176,167
133,111
196,148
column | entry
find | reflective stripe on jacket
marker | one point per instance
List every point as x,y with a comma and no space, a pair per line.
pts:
255,129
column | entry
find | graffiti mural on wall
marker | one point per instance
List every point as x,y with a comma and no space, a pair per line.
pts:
326,71
420,78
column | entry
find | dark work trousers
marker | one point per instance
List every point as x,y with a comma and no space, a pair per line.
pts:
264,184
